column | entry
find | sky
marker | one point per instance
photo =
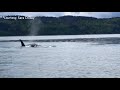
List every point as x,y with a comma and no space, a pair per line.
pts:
57,14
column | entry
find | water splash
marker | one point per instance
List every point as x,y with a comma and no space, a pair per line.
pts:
35,27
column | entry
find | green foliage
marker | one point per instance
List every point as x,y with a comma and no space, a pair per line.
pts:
65,25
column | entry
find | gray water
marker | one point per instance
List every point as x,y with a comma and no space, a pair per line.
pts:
73,56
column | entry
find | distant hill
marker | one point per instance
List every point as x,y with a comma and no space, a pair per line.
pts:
64,25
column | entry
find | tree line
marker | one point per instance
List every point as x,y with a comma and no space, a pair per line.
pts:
64,25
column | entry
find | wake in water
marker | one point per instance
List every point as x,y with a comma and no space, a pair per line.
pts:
41,46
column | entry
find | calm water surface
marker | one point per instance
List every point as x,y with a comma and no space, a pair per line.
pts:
79,56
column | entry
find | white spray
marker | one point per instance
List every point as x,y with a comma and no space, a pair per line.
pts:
35,27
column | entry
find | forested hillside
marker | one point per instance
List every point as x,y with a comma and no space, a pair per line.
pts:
65,25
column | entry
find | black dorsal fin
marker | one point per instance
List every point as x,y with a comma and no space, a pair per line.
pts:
22,44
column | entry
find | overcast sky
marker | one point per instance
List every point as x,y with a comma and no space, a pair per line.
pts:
57,14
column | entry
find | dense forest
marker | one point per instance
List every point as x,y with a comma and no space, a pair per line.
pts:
64,25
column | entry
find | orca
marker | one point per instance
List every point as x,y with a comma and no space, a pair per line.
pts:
30,45
22,44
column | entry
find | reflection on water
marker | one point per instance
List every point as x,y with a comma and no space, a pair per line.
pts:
76,57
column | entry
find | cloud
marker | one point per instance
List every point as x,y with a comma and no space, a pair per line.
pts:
31,14
57,14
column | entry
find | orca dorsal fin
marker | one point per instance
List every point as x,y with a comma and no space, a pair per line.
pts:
22,44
